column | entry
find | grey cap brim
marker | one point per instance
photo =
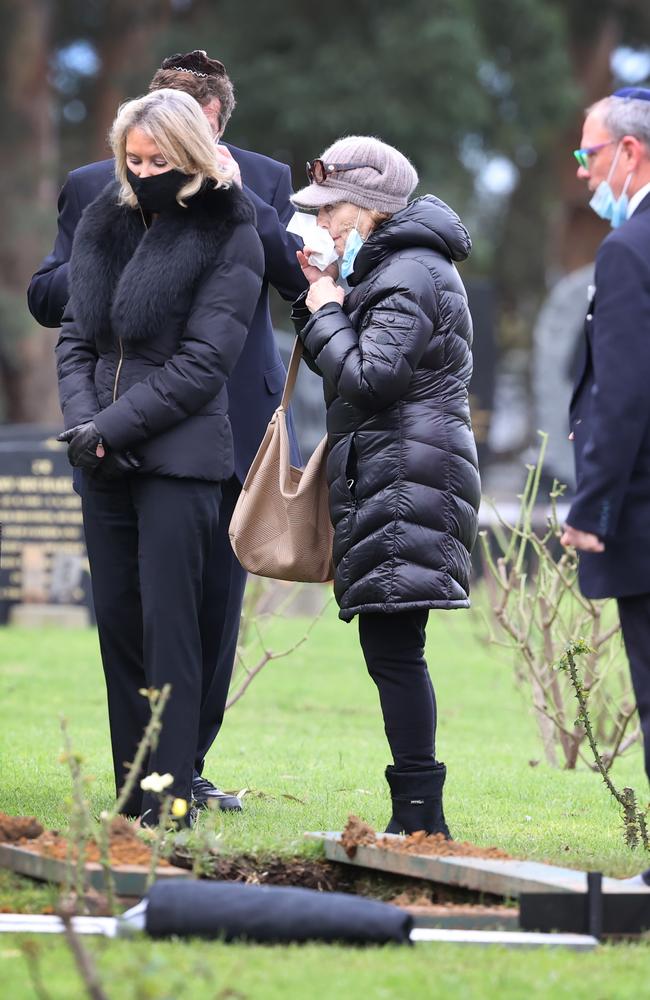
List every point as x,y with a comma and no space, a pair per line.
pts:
314,196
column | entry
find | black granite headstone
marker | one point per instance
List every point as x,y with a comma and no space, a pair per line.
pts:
39,509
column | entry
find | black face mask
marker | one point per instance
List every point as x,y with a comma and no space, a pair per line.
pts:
158,192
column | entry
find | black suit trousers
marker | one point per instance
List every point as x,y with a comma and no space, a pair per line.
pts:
634,613
153,548
221,615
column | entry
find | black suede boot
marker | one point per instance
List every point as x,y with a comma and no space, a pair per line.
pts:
417,800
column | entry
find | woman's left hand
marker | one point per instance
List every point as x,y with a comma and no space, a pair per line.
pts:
323,291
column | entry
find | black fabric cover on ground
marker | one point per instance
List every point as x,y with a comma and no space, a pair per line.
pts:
270,914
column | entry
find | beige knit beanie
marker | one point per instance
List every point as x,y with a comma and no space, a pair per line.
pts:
383,180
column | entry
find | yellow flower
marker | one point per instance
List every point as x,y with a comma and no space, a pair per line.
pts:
179,808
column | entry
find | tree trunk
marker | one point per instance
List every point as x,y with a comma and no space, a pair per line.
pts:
30,150
126,47
577,232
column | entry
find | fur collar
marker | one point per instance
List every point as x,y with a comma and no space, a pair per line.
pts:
123,281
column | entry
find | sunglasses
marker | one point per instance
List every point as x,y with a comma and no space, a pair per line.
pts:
582,155
318,171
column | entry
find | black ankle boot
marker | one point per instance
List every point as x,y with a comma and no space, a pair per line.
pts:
417,800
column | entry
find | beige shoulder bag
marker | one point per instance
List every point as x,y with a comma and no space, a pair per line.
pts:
281,525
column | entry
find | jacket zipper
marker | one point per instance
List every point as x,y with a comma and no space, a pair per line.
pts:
119,364
119,368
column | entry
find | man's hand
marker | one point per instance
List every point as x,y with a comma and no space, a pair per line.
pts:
313,273
582,540
323,291
227,160
85,447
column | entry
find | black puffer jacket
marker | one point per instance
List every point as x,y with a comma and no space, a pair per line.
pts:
396,362
156,321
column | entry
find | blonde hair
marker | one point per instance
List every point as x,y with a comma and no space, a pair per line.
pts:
180,130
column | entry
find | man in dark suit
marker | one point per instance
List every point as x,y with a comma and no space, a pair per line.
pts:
609,519
255,386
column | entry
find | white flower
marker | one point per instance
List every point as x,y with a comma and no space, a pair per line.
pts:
156,782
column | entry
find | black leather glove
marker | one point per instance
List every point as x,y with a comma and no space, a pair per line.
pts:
85,448
116,464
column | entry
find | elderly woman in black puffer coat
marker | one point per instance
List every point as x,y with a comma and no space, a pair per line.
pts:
395,357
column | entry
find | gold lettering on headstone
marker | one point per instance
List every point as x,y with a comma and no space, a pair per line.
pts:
41,525
42,467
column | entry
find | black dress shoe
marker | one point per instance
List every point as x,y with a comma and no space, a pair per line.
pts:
206,795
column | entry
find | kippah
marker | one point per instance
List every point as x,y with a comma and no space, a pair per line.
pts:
197,62
633,93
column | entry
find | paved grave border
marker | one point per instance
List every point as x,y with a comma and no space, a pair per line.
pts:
500,877
130,880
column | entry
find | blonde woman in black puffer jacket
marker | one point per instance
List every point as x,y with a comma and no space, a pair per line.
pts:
395,357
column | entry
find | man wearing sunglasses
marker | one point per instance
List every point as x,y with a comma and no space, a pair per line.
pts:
609,519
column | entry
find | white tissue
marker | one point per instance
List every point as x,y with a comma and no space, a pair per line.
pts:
315,237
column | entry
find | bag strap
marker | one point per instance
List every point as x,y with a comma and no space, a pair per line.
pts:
292,373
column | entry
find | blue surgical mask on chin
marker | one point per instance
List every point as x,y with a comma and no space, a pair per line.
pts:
603,202
353,244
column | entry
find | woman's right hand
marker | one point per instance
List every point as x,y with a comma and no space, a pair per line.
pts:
313,273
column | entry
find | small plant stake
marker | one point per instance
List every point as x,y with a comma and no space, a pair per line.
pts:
634,819
536,608
80,819
157,701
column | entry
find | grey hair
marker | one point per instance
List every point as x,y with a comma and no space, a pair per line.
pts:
624,116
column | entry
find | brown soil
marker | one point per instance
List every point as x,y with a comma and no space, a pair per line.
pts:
328,876
436,844
313,873
441,910
357,832
125,847
14,828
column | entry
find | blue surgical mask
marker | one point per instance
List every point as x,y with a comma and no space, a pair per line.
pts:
603,202
353,244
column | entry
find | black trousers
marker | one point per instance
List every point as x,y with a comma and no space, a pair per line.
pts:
155,549
221,617
634,613
393,647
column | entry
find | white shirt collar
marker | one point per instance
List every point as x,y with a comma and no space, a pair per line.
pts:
637,198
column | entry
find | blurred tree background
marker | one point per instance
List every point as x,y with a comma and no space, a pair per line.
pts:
485,98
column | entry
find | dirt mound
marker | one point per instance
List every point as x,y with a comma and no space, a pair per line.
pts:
269,870
125,847
435,844
15,828
357,833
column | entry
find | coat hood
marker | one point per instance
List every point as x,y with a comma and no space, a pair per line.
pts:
425,222
125,277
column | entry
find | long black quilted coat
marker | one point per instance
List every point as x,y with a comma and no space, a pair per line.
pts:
155,324
396,363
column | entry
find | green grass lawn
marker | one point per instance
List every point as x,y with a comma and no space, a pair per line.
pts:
307,741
